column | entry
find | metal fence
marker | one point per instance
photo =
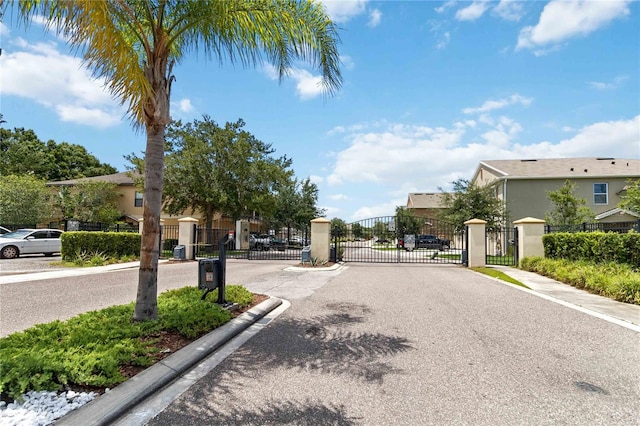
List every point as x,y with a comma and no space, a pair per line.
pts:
502,247
620,227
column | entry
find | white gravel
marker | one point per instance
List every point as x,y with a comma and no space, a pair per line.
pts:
42,408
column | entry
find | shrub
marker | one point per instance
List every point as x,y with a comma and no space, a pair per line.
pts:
106,244
91,348
614,280
599,247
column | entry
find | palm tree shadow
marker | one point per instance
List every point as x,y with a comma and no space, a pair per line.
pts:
322,345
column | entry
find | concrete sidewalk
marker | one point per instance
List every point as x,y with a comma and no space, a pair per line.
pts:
623,313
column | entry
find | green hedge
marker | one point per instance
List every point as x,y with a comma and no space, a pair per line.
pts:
600,247
109,244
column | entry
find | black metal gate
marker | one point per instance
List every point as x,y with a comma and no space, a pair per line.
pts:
396,239
501,247
286,244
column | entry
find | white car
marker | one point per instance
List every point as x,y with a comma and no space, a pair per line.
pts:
30,241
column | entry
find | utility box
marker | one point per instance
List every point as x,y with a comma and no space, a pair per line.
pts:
306,254
180,252
209,273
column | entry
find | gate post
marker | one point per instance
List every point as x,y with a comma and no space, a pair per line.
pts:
477,249
320,238
530,233
185,235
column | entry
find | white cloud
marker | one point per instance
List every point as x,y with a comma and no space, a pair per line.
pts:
375,16
60,82
316,179
342,11
472,12
608,85
446,5
338,197
307,85
4,30
184,105
491,105
562,20
347,62
400,158
443,41
509,10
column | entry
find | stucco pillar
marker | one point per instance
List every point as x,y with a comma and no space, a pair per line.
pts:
476,250
185,235
530,233
320,238
242,235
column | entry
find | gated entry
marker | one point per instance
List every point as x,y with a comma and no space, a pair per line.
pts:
382,240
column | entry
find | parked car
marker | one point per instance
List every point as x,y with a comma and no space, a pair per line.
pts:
259,242
279,244
299,241
429,242
432,242
30,241
4,230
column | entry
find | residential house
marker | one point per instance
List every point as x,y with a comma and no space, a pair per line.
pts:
523,184
424,204
130,204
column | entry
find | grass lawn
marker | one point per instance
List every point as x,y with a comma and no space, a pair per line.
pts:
498,274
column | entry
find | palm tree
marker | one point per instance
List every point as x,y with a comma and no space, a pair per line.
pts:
134,45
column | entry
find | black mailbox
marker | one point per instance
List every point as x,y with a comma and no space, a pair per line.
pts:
209,273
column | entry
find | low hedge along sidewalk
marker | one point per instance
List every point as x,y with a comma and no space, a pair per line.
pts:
108,244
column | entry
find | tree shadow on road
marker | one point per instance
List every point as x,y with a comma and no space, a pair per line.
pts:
323,345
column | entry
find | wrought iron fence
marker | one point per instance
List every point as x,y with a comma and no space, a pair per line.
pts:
501,247
620,227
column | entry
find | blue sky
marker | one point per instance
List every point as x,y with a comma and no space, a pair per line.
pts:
430,90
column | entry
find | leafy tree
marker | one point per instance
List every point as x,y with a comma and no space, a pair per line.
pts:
89,201
469,201
631,200
407,222
22,152
295,204
357,230
568,209
24,200
135,44
216,169
340,225
381,231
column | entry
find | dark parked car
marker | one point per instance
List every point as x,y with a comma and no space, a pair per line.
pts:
432,242
429,242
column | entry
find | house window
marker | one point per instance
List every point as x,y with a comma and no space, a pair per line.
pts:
138,199
600,193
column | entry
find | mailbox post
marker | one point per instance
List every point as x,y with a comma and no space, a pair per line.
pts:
212,272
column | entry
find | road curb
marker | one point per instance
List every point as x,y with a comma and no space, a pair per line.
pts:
113,404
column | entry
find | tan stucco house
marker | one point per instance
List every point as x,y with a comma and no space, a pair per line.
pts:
130,204
523,184
425,204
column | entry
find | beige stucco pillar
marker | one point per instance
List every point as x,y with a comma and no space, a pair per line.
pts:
530,233
242,235
476,250
320,238
185,235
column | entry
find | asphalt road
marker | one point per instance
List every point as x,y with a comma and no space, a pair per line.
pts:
422,345
383,344
24,304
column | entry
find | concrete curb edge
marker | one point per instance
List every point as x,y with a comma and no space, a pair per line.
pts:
113,404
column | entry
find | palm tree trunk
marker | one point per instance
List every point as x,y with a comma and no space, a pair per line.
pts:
147,298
